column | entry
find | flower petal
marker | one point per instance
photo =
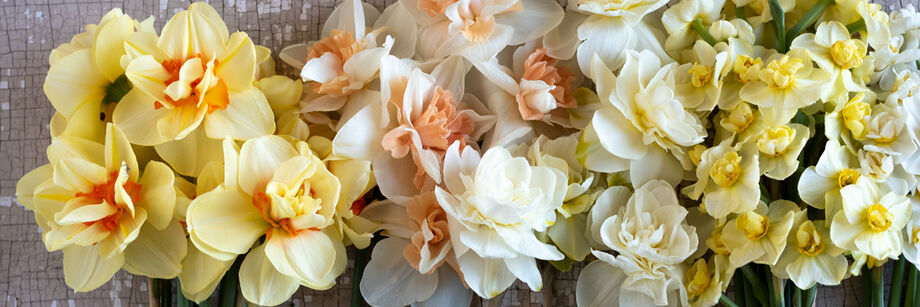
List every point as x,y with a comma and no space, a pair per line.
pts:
237,64
389,280
157,253
85,270
259,160
224,220
308,255
74,81
199,30
248,115
189,155
261,283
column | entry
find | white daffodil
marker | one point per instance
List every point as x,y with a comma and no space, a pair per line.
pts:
911,249
849,120
494,205
742,122
819,186
614,27
679,20
778,149
811,257
881,167
832,47
786,83
93,202
283,191
727,178
642,120
759,235
479,29
886,132
418,250
871,219
699,84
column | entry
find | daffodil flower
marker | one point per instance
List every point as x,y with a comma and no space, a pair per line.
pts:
759,235
284,192
94,203
779,148
678,22
819,186
613,28
786,82
742,122
811,257
699,83
706,280
494,204
871,219
727,178
836,53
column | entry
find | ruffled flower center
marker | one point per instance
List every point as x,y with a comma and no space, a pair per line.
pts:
775,141
700,75
879,218
726,170
847,177
753,225
432,235
540,67
854,114
698,278
738,118
846,53
808,240
292,210
105,192
746,68
192,82
342,46
780,74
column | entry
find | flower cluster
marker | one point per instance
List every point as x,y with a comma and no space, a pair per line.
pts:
473,143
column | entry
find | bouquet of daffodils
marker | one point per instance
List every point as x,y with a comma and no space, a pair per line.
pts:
467,144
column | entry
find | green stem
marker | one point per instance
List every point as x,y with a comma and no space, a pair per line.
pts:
727,301
878,286
809,299
779,24
757,286
703,32
911,286
807,20
740,286
867,288
228,285
117,89
797,299
361,258
856,26
166,294
897,279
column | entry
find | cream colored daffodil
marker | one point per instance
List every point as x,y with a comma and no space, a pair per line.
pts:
727,178
742,122
699,83
706,280
600,283
494,205
786,83
819,186
811,257
615,27
886,132
678,21
832,47
911,249
759,235
94,203
871,219
642,120
283,191
779,148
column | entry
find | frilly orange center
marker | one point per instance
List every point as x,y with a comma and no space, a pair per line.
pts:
216,97
343,45
106,192
541,67
264,203
424,210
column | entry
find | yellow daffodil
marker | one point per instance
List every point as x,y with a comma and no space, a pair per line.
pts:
871,219
699,83
727,178
759,235
811,257
284,192
819,186
743,122
778,149
786,83
94,203
706,280
832,47
194,75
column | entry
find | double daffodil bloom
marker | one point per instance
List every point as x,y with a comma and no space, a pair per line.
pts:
284,192
759,235
706,280
699,83
832,47
810,257
614,27
871,219
195,74
94,203
779,147
820,185
727,177
786,83
86,76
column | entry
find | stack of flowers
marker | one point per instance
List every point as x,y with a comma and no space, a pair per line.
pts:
473,143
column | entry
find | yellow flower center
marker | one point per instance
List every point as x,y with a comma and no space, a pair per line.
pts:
746,68
184,86
780,74
726,170
698,278
715,243
915,236
738,118
854,114
808,240
847,177
696,153
753,225
847,53
879,218
700,75
775,141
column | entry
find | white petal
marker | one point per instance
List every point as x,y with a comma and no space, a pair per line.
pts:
389,280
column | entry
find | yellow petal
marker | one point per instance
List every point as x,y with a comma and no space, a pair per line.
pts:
201,273
78,211
282,93
48,200
181,121
78,175
109,45
261,283
25,187
85,270
76,148
210,177
148,75
199,30
259,160
73,81
158,194
136,116
356,179
140,44
237,65
231,163
309,255
157,253
189,155
226,221
74,235
126,232
86,122
291,124
118,151
248,115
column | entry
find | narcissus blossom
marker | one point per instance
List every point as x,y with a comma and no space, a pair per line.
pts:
871,219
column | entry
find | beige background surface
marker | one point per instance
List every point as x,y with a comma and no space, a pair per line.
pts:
31,276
